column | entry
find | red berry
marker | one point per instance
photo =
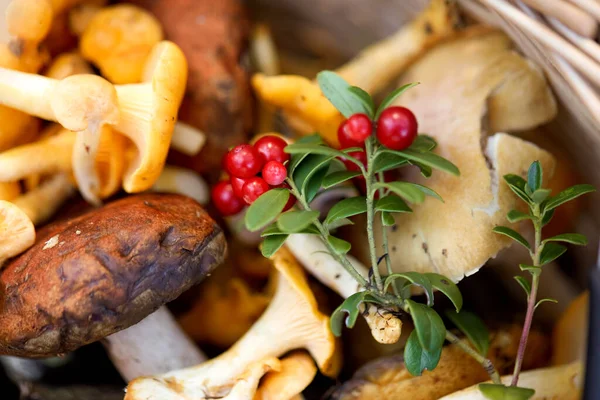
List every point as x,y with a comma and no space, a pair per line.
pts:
271,147
274,173
254,188
225,200
397,128
237,184
360,156
354,131
244,161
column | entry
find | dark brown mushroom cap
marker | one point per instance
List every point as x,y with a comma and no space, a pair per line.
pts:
99,273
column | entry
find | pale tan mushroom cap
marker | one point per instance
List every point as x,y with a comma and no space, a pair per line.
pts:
17,232
459,78
29,19
297,371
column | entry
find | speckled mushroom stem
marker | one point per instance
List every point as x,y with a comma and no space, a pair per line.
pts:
156,345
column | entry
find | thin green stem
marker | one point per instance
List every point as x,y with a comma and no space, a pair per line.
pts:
485,362
371,212
324,233
384,239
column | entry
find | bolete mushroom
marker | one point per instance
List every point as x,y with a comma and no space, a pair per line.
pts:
297,371
16,231
93,276
118,39
307,110
292,321
460,80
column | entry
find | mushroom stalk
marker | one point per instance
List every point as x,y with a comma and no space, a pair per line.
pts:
42,202
314,256
155,345
29,93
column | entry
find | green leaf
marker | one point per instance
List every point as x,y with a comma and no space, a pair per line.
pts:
544,301
313,166
339,223
364,98
428,324
473,328
409,191
511,233
311,189
273,229
573,238
551,252
295,221
495,391
347,208
547,217
340,246
387,219
540,195
447,287
516,216
532,269
423,144
322,150
296,159
524,284
431,160
385,161
429,192
424,169
392,203
265,209
391,97
339,177
568,195
349,307
335,88
415,278
517,185
535,176
271,244
417,359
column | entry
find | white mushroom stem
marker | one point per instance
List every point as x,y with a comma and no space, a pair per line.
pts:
21,369
187,139
182,181
29,93
155,345
314,256
42,202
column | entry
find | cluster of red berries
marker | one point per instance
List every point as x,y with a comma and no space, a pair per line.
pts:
253,170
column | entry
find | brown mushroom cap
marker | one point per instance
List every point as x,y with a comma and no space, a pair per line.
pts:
99,273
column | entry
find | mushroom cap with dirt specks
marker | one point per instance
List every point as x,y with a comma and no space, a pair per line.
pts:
108,270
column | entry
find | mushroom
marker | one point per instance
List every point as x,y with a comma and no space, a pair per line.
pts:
562,382
81,15
292,321
9,190
314,256
183,181
297,371
93,276
68,64
118,39
569,336
460,80
187,139
16,231
307,110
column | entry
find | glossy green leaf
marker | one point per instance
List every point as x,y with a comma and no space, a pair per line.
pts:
423,144
340,246
430,159
516,216
391,97
273,229
535,176
296,159
532,269
517,185
308,167
347,208
385,161
320,149
551,252
525,284
338,177
387,219
428,324
429,192
473,328
540,195
392,203
544,301
573,238
314,184
447,287
335,88
425,170
265,209
271,244
364,98
511,233
415,278
296,221
339,223
347,312
408,191
567,195
417,359
547,217
494,391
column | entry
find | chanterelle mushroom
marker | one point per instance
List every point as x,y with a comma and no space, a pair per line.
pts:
297,372
93,276
459,82
16,231
292,321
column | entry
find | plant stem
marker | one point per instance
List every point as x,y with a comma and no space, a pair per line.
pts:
485,362
371,212
324,233
384,239
531,300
